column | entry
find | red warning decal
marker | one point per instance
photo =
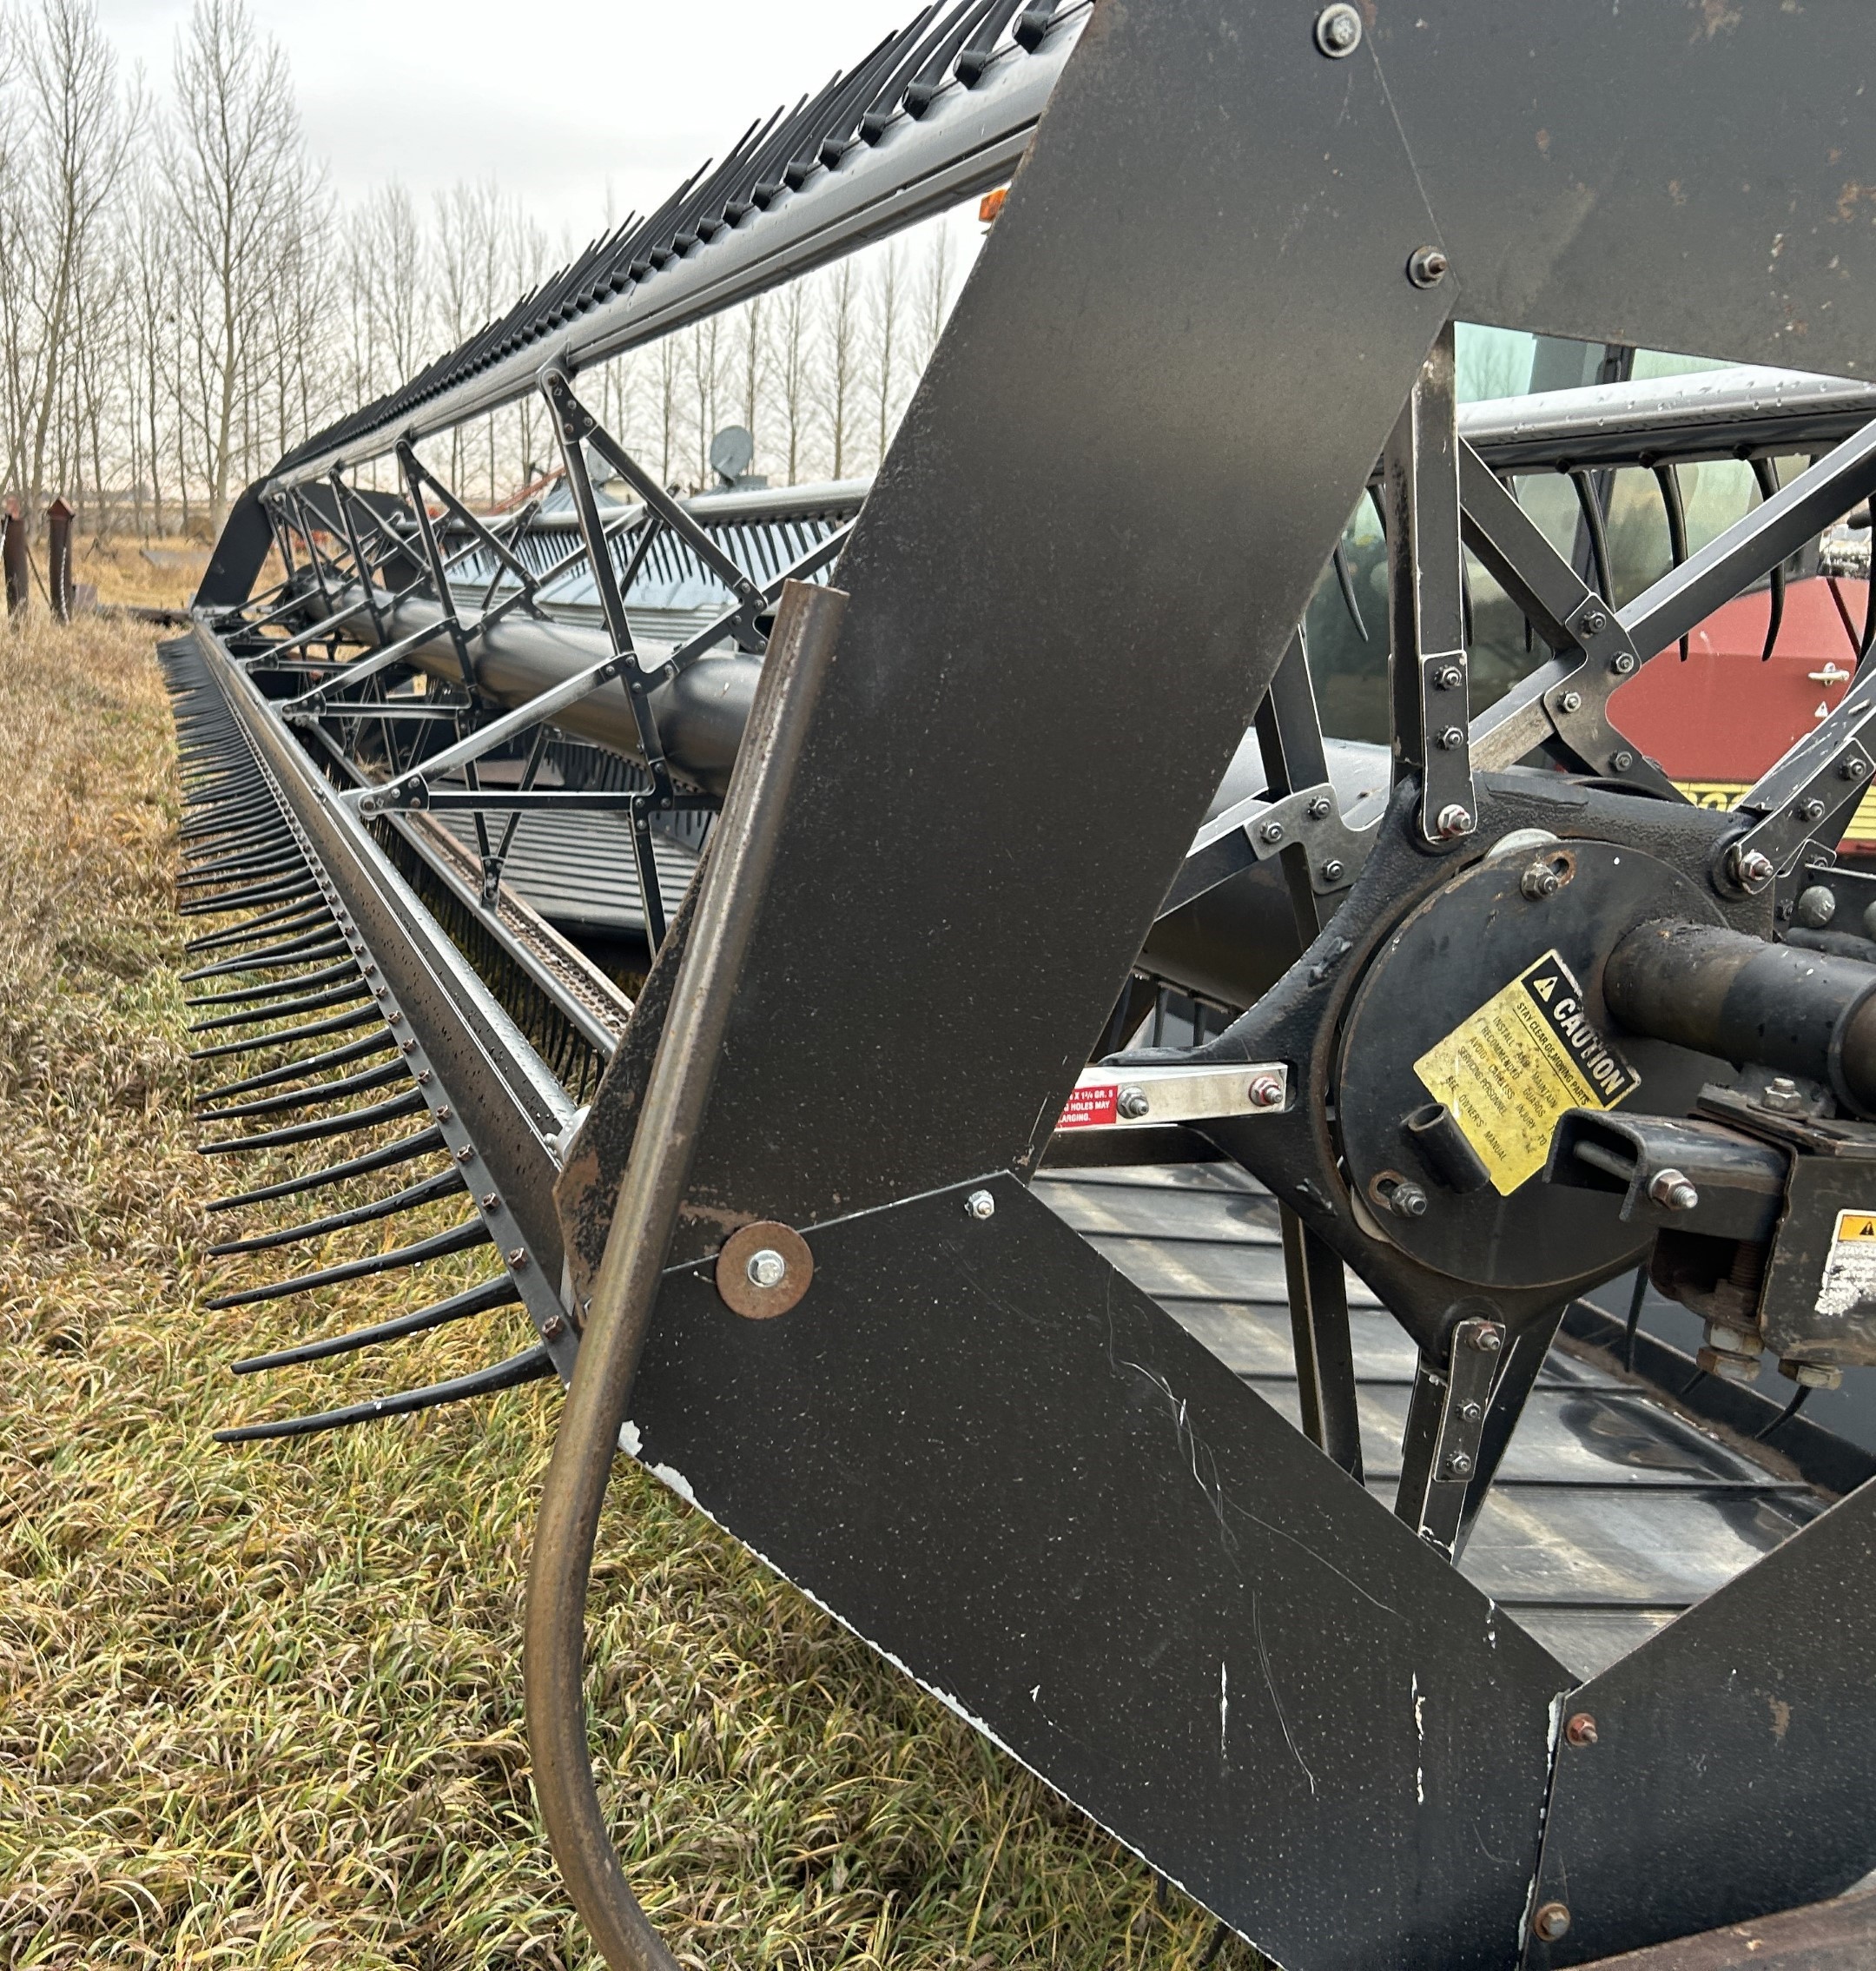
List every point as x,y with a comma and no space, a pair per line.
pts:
1091,1106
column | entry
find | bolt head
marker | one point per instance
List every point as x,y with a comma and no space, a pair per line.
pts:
490,1200
1318,808
1452,739
1571,701
1812,809
1271,831
465,1153
1407,1200
1623,762
1622,664
1455,821
766,1268
1447,677
1552,1921
1580,1729
1752,870
1540,881
979,1204
1132,1103
1459,1465
1339,31
1593,622
1265,1092
1488,1340
1428,267
1334,869
1853,768
553,1327
518,1255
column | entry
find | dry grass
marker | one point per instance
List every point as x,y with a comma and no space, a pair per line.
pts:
262,1708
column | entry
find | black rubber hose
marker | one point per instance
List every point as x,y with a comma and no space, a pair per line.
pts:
677,1093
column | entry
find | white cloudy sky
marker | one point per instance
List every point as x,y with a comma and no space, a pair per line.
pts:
557,101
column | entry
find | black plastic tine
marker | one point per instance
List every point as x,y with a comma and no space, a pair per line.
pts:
335,996
366,1118
1766,472
314,1029
288,982
308,1064
246,866
1591,509
239,899
438,1245
445,1184
1034,22
532,1365
909,58
1346,581
205,824
311,1097
922,91
976,56
1669,479
233,849
836,126
306,949
385,1157
499,1292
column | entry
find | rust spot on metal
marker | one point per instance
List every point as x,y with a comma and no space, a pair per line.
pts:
763,1269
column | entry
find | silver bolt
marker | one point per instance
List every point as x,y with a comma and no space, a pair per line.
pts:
1427,268
1271,831
1853,768
1622,664
464,1155
979,1204
1782,1096
1452,739
1812,1375
1447,677
1730,1341
1471,1412
1671,1191
1816,906
767,1267
1593,622
1571,701
1540,881
1407,1200
1339,31
1812,809
1455,820
1623,762
1318,808
1333,869
1751,869
1267,1092
1488,1340
1459,1465
1132,1103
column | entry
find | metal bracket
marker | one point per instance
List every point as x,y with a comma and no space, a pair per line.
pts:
1259,830
1142,1097
1445,1422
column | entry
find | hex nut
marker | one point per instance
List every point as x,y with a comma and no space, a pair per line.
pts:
1670,1189
1852,768
1459,1465
979,1204
1271,831
1621,761
1782,1096
1455,821
1552,1921
1452,739
1488,1340
1571,701
1580,1729
1623,663
1750,868
1265,1092
1339,31
1447,677
1593,621
1132,1103
1540,881
1811,1375
1319,808
1471,1412
1427,266
1407,1200
1334,869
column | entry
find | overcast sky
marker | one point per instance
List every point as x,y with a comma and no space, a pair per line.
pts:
554,100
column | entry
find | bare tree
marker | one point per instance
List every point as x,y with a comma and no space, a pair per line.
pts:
790,365
839,368
236,172
936,279
884,310
706,354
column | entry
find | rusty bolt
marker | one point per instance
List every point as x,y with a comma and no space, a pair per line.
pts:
553,1327
443,1112
423,1074
1267,1091
1580,1729
490,1200
466,1152
518,1255
1551,1922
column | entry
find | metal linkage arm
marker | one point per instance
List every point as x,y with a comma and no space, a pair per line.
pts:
1420,484
818,556
478,530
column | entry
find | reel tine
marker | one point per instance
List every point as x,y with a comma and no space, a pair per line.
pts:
338,1024
407,1149
308,1064
532,1364
501,1291
411,1104
310,1096
1765,471
239,899
336,995
1667,477
245,995
301,949
438,1245
214,941
443,1184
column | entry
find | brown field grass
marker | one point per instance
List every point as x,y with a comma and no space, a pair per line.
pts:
262,1708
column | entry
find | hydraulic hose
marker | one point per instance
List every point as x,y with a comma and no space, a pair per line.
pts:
625,1288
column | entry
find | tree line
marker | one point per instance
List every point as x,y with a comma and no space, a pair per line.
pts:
183,297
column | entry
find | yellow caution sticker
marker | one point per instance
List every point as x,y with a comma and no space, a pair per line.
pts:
1508,1073
1849,1281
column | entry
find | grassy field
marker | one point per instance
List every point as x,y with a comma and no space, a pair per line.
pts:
262,1708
